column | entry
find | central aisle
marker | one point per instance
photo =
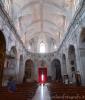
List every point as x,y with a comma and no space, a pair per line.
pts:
42,93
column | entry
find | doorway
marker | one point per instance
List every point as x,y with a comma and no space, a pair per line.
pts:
56,70
64,67
82,54
72,58
42,75
29,67
2,55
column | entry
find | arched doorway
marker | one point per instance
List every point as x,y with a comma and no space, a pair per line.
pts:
82,54
64,64
21,69
72,58
56,70
2,55
28,70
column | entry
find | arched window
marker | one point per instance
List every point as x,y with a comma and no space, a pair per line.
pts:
76,4
42,47
55,47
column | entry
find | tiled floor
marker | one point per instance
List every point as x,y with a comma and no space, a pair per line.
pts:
42,93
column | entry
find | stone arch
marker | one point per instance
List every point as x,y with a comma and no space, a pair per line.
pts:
28,70
56,70
82,53
64,67
2,54
72,58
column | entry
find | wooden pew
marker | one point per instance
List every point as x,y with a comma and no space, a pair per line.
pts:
23,92
66,92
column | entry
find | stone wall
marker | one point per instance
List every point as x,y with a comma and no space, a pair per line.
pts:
72,37
11,66
17,59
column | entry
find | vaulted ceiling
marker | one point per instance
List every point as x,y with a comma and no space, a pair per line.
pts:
42,18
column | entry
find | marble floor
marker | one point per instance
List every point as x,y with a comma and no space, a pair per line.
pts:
42,93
